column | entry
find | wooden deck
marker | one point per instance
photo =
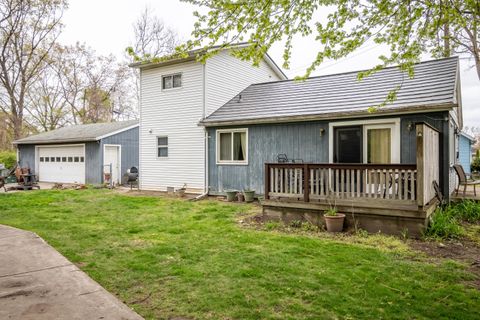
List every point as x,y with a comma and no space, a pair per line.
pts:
390,198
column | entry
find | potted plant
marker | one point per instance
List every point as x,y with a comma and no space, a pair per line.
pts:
334,220
249,195
231,194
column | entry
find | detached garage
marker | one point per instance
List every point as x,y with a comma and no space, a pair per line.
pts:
82,153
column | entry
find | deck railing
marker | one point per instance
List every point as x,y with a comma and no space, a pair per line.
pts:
320,181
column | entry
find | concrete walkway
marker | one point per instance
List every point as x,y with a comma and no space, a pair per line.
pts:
37,282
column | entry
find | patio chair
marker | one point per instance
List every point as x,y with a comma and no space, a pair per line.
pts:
463,181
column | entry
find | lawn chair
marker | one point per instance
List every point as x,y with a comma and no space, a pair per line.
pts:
463,181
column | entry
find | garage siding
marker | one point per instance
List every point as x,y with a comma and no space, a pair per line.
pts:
93,160
129,142
27,156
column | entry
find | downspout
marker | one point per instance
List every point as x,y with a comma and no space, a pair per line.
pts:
205,158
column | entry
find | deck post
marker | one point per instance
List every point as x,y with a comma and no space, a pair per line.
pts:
306,183
267,181
420,163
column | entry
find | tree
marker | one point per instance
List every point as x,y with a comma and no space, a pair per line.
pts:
28,32
152,38
409,28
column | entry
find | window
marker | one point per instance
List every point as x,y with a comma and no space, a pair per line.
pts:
70,159
172,81
47,159
58,159
162,147
379,142
82,159
76,159
232,146
64,159
41,159
52,159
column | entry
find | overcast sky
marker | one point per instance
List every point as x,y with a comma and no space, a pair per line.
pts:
106,26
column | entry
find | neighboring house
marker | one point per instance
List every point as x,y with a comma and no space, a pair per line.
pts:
325,121
176,95
81,153
465,143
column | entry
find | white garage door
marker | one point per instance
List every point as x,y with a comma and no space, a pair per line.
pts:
65,164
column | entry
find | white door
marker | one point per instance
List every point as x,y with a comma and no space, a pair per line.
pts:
111,156
64,164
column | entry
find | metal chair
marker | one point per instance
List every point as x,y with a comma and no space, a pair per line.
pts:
463,181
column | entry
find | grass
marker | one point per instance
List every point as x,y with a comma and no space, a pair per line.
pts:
169,258
453,221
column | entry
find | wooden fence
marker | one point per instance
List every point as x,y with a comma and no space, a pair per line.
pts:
428,162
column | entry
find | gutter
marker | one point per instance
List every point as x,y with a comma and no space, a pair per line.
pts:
327,116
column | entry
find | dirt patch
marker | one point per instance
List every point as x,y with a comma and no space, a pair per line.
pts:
465,251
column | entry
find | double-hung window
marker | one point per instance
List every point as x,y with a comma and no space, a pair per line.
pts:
162,147
232,146
172,81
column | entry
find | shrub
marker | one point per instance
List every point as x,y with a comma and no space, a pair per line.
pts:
475,166
445,224
8,158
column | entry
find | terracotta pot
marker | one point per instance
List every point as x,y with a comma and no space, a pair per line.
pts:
335,223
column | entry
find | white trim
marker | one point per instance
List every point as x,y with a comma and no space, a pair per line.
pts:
374,123
119,173
217,147
37,160
117,131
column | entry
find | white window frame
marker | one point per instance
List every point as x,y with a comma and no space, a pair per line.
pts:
390,123
231,162
162,146
172,75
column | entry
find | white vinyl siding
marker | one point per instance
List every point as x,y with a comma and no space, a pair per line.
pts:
176,114
226,76
172,113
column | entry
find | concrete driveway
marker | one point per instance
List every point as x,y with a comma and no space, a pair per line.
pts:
37,282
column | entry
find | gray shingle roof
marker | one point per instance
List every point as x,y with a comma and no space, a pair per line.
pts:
78,133
434,85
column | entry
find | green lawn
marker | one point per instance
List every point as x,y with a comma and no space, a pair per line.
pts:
169,258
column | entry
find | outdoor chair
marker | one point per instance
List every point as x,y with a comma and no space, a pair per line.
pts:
463,181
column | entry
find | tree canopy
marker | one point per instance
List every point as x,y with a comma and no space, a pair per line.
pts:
409,28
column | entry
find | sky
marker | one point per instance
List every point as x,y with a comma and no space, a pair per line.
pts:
106,26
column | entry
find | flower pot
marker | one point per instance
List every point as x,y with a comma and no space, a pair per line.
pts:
335,223
240,197
231,194
249,195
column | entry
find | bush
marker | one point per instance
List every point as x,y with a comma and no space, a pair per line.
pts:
475,166
444,224
8,158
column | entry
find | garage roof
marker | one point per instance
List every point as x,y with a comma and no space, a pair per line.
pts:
341,95
79,133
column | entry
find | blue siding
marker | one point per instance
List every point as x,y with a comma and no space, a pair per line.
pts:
465,153
265,142
26,155
93,158
129,142
302,140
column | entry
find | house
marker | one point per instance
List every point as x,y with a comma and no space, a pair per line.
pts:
176,94
303,144
81,153
384,166
465,143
